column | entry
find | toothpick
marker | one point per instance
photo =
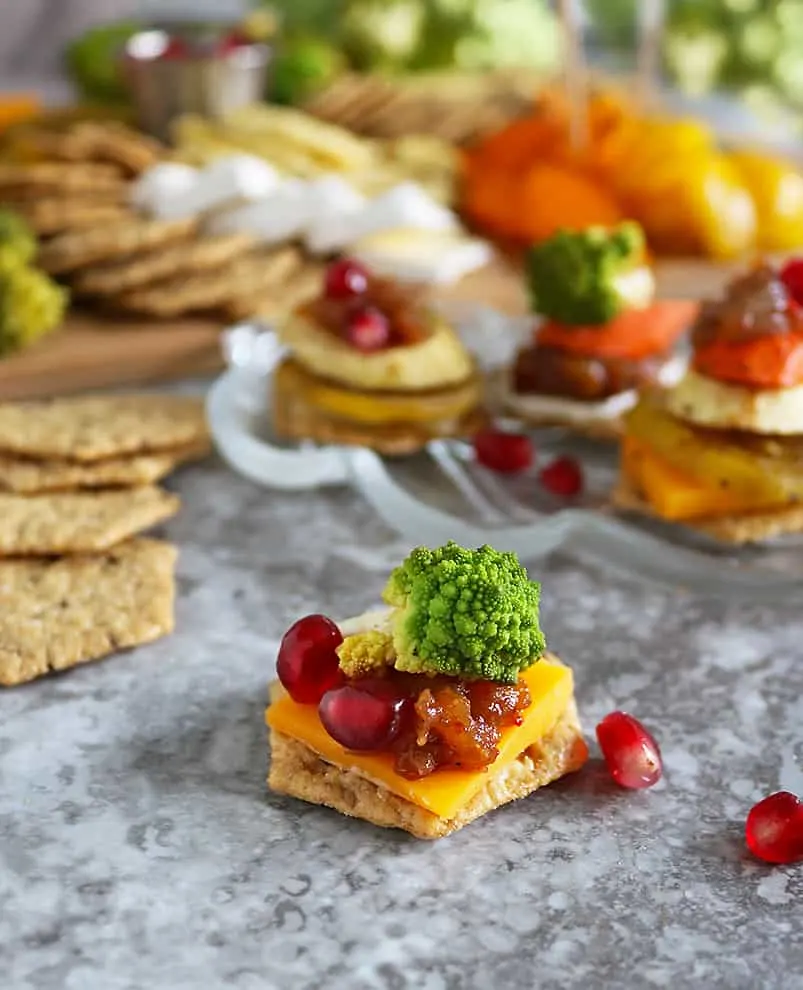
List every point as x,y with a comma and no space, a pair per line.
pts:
651,16
575,75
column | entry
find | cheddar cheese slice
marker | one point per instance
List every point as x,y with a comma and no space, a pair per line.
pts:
676,496
444,792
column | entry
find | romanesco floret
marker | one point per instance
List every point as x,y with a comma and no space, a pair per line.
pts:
366,653
17,241
465,613
588,277
31,305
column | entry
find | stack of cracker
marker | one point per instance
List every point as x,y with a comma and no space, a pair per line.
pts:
73,186
77,487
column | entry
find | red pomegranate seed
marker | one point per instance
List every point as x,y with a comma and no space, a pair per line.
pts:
176,48
364,715
345,278
307,663
792,278
506,453
368,329
774,829
562,477
631,753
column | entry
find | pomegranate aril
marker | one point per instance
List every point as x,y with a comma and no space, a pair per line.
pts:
307,664
363,717
631,753
507,453
368,329
562,477
792,278
345,278
774,829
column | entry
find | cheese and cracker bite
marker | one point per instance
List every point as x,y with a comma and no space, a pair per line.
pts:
722,452
432,712
602,334
370,364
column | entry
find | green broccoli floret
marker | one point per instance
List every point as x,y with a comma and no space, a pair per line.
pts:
366,653
17,240
465,613
31,305
587,277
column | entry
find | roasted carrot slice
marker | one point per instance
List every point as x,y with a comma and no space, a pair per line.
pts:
634,334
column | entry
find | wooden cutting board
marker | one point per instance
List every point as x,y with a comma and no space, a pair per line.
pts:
102,352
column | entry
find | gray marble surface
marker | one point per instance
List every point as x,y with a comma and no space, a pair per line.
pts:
140,850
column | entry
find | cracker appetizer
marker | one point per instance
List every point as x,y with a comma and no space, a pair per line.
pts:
722,451
370,364
432,712
602,334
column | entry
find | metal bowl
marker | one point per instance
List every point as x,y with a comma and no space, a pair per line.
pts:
210,84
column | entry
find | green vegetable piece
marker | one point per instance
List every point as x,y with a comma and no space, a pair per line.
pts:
589,276
31,305
465,613
93,61
17,241
366,653
304,65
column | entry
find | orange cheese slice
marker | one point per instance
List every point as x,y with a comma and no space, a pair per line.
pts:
676,496
444,792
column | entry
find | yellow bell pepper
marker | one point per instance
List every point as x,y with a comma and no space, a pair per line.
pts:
777,190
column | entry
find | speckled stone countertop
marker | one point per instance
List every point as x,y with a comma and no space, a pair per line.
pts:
140,850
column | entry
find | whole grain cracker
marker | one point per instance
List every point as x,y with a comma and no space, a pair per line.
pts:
165,262
20,196
28,477
86,177
94,427
54,216
250,274
279,299
76,249
57,614
105,141
79,522
295,419
297,770
752,527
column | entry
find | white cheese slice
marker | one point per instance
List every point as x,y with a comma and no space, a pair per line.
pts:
333,203
413,255
161,184
281,216
405,206
230,180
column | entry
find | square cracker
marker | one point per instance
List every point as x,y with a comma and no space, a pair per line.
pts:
299,771
60,613
31,477
752,527
79,522
94,427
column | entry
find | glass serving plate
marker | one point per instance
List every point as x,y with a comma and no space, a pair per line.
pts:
442,494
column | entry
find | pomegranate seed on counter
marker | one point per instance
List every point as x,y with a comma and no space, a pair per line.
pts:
307,664
506,453
345,279
563,477
631,753
774,829
365,716
368,329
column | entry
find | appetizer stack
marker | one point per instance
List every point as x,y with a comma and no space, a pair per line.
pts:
722,451
369,363
77,485
601,335
428,715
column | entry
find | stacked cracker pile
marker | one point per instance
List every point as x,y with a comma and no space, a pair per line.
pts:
73,186
77,487
457,109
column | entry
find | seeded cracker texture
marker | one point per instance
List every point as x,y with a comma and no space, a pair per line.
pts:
57,614
753,527
29,477
297,770
91,428
79,522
